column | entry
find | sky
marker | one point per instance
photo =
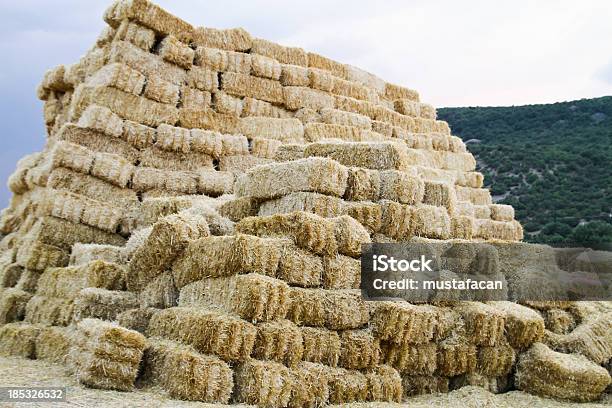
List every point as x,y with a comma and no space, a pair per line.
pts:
455,53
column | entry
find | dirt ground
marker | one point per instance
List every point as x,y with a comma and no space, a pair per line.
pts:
21,372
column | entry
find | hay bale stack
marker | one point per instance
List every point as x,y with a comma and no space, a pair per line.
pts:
496,361
186,374
106,355
484,325
455,357
103,304
544,372
53,344
524,326
136,319
209,332
310,385
384,384
359,349
321,346
336,310
347,386
300,268
424,384
341,272
263,383
18,339
319,204
402,322
370,155
279,341
13,304
411,359
350,235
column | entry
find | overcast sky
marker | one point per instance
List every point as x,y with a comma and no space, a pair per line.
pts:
455,53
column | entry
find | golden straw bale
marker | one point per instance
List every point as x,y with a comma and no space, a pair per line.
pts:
54,79
308,231
241,163
365,78
424,384
321,62
13,304
238,208
310,385
192,98
502,230
395,119
396,220
49,311
53,344
103,304
362,184
462,227
495,361
113,169
207,142
71,156
547,373
501,212
162,91
359,349
234,145
484,324
431,222
119,76
319,204
300,268
215,183
371,155
440,195
153,209
298,97
233,39
285,55
64,205
174,51
136,319
354,90
265,148
384,384
138,35
289,152
263,383
9,275
228,104
221,60
402,187
159,293
18,339
321,346
347,386
227,255
279,341
265,67
350,235
402,322
477,196
253,297
356,106
341,272
559,321
256,107
168,238
206,118
187,374
284,130
209,332
383,128
250,86
294,75
307,116
336,310
54,231
36,256
139,136
320,79
412,359
455,358
316,132
170,160
394,92
67,282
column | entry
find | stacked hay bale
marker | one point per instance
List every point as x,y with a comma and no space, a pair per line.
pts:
211,191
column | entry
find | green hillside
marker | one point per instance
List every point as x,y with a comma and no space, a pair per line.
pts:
553,163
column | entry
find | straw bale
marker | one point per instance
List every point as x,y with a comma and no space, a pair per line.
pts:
101,215
321,62
501,212
469,179
192,98
591,338
67,282
403,188
285,55
64,234
253,297
234,145
384,384
149,15
113,169
162,91
424,384
431,222
233,39
256,107
312,174
262,383
174,51
206,118
153,209
440,195
496,361
265,67
316,132
289,152
250,86
365,78
353,90
225,256
209,332
462,227
359,349
12,304
321,346
146,63
310,385
394,92
319,204
221,60
36,256
502,230
17,181
356,106
395,119
484,324
238,208
176,161
408,107
411,359
294,75
139,136
18,339
111,333
9,275
54,79
49,311
341,272
140,36
95,141
85,253
136,319
168,238
493,385
104,374
455,358
320,79
482,212
118,76
347,386
559,321
300,268
265,148
159,293
308,231
215,183
362,184
228,104
298,97
336,310
72,156
207,142
402,322
53,344
103,304
279,341
382,128
544,372
396,220
477,196
285,130
350,235
132,107
371,155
